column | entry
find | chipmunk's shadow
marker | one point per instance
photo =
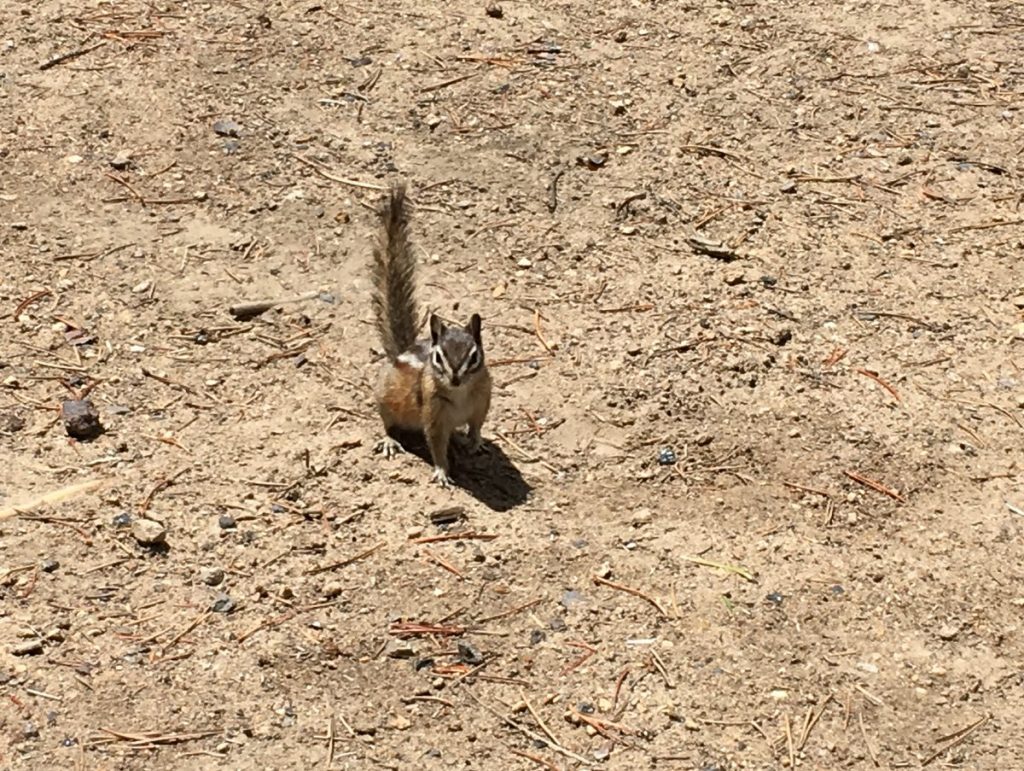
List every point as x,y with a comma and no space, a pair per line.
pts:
489,475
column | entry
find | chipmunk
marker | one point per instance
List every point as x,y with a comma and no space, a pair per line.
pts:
433,385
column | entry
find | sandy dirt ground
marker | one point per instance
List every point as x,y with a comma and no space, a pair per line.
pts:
751,283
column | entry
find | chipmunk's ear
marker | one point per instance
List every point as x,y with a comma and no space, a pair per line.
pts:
473,327
436,328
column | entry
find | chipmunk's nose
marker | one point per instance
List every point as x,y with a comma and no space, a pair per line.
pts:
455,380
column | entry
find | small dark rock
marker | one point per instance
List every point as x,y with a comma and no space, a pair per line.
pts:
783,336
494,11
223,604
557,624
468,654
226,128
81,420
836,589
48,566
69,741
447,516
788,187
30,730
201,337
360,61
586,708
621,36
666,457
422,664
226,522
122,520
537,636
775,598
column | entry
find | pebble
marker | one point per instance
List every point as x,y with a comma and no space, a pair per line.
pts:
226,522
81,420
557,624
226,128
788,187
570,598
735,277
948,631
400,723
142,286
211,576
775,598
469,654
122,520
494,11
666,457
121,161
30,730
222,604
333,589
28,648
148,532
399,649
49,566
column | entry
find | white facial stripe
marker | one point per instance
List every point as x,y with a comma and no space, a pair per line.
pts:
437,356
471,361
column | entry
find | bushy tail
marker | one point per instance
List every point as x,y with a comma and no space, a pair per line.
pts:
394,277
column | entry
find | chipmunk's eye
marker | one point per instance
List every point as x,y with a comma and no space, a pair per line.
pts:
473,361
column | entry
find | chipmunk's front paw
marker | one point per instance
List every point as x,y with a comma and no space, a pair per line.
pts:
388,447
441,477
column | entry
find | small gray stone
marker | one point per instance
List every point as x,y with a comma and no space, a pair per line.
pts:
948,631
122,161
570,598
226,128
468,654
148,532
226,522
788,187
211,576
223,604
81,420
400,649
49,566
